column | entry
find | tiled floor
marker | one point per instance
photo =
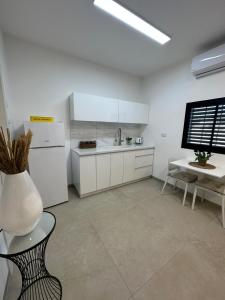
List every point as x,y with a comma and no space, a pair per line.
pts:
133,243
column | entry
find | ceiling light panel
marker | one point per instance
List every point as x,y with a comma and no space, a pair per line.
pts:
129,18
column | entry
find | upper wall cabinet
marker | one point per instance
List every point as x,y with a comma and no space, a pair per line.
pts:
132,112
93,108
99,109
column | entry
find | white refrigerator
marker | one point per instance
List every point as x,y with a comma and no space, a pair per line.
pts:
47,161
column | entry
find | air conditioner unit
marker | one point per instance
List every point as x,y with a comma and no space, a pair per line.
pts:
209,62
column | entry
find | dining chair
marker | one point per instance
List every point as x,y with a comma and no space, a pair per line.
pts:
178,175
214,186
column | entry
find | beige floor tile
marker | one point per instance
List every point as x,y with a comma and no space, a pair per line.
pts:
191,275
180,220
76,253
101,285
107,206
139,245
213,235
14,285
134,237
75,211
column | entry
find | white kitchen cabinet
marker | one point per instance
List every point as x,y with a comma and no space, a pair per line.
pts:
116,168
129,166
88,178
144,152
142,172
94,172
93,108
143,161
85,107
132,112
103,171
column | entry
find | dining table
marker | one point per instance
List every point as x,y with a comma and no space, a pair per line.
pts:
218,172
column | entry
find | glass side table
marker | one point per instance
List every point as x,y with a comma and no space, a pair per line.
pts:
28,253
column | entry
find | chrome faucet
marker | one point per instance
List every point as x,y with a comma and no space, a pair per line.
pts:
119,136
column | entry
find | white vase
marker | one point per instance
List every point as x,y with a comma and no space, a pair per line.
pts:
20,204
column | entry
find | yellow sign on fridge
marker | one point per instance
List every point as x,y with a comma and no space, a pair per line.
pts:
41,119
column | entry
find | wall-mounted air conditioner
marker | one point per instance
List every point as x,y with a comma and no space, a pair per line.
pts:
209,62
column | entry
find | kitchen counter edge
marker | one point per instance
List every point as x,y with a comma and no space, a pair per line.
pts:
102,150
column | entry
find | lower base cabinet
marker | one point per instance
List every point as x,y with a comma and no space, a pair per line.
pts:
143,172
103,171
87,174
117,167
93,173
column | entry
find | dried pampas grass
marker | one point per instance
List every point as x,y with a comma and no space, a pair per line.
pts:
14,154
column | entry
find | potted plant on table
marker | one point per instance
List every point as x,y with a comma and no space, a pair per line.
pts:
20,203
202,157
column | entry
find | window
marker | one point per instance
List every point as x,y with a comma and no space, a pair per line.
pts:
204,126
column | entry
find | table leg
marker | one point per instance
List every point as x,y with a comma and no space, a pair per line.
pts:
37,282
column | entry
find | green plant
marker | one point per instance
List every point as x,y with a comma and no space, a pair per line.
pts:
202,157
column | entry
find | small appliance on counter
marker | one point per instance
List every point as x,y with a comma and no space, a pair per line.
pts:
87,144
129,140
139,140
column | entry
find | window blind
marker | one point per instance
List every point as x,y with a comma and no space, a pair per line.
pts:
219,130
204,127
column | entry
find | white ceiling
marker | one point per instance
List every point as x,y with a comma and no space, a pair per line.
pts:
78,28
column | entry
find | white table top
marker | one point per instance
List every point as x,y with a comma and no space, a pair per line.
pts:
218,172
42,230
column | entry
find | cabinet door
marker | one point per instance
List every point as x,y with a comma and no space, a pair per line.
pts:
129,166
116,168
103,171
93,108
87,174
132,112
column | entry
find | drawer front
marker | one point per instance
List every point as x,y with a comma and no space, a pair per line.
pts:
129,166
144,152
143,161
143,172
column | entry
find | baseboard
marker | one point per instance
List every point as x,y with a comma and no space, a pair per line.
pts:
111,187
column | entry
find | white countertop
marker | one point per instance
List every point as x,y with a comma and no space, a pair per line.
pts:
110,149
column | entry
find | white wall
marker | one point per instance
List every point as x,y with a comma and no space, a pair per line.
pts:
168,92
5,83
3,121
41,81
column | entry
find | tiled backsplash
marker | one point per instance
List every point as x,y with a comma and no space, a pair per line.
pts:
103,133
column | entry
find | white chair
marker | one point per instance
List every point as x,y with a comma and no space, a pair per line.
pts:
215,186
182,176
